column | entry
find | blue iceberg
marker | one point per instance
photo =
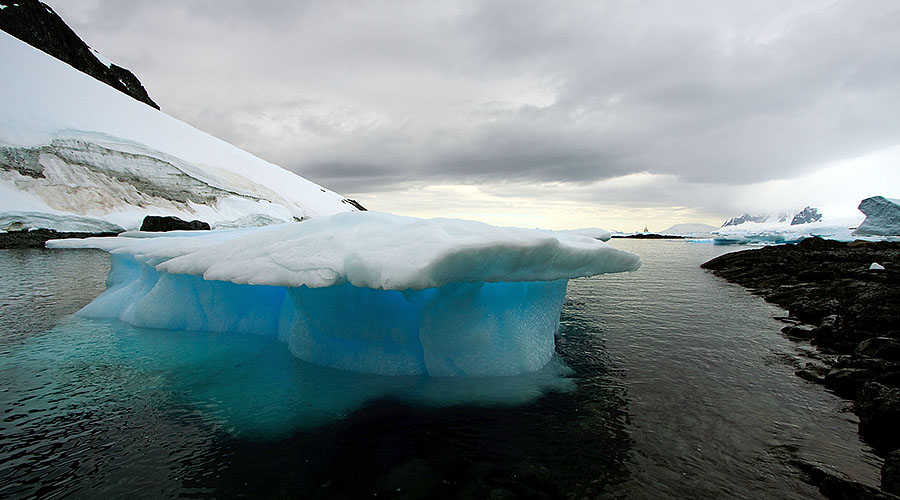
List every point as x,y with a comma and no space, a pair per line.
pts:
367,292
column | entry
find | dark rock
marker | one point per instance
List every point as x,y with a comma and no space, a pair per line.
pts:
171,223
890,473
878,407
806,216
846,382
37,237
801,331
880,347
836,486
36,24
355,204
813,373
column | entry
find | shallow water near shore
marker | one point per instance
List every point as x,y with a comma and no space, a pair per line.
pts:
669,383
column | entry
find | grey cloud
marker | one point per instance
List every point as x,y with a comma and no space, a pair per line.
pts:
362,96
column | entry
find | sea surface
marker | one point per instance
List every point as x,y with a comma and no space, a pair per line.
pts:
668,383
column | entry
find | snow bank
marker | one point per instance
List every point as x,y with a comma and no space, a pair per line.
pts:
882,217
86,149
367,291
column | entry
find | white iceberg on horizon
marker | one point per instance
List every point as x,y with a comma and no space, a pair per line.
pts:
882,217
370,292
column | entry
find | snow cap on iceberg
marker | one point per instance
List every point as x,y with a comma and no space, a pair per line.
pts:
373,250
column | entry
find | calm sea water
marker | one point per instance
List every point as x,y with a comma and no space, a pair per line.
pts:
670,383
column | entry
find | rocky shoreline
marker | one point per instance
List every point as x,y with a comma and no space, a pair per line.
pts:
850,310
37,237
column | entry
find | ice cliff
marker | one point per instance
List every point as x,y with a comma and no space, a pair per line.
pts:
362,291
882,217
73,148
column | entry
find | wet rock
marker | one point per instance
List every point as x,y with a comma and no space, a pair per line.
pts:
37,237
835,486
890,473
880,347
846,382
171,223
801,331
878,407
813,373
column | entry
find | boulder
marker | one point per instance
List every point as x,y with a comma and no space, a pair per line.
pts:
171,223
880,347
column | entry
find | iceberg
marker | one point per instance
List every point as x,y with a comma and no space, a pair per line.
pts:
882,217
361,291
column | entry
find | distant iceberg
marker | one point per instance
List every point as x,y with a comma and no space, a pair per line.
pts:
882,217
362,291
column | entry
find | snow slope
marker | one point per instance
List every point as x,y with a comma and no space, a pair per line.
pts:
370,292
78,147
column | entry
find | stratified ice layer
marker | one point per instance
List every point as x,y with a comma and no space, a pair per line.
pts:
367,292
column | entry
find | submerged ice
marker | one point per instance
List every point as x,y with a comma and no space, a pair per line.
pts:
368,292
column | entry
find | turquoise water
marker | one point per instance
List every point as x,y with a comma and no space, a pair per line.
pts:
668,382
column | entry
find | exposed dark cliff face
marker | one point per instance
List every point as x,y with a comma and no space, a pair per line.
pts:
38,25
806,216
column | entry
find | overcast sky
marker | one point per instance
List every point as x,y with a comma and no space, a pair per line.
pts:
553,114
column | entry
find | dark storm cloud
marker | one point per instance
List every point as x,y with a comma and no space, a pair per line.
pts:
360,96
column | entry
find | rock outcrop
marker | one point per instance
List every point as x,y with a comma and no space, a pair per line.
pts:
157,223
806,216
